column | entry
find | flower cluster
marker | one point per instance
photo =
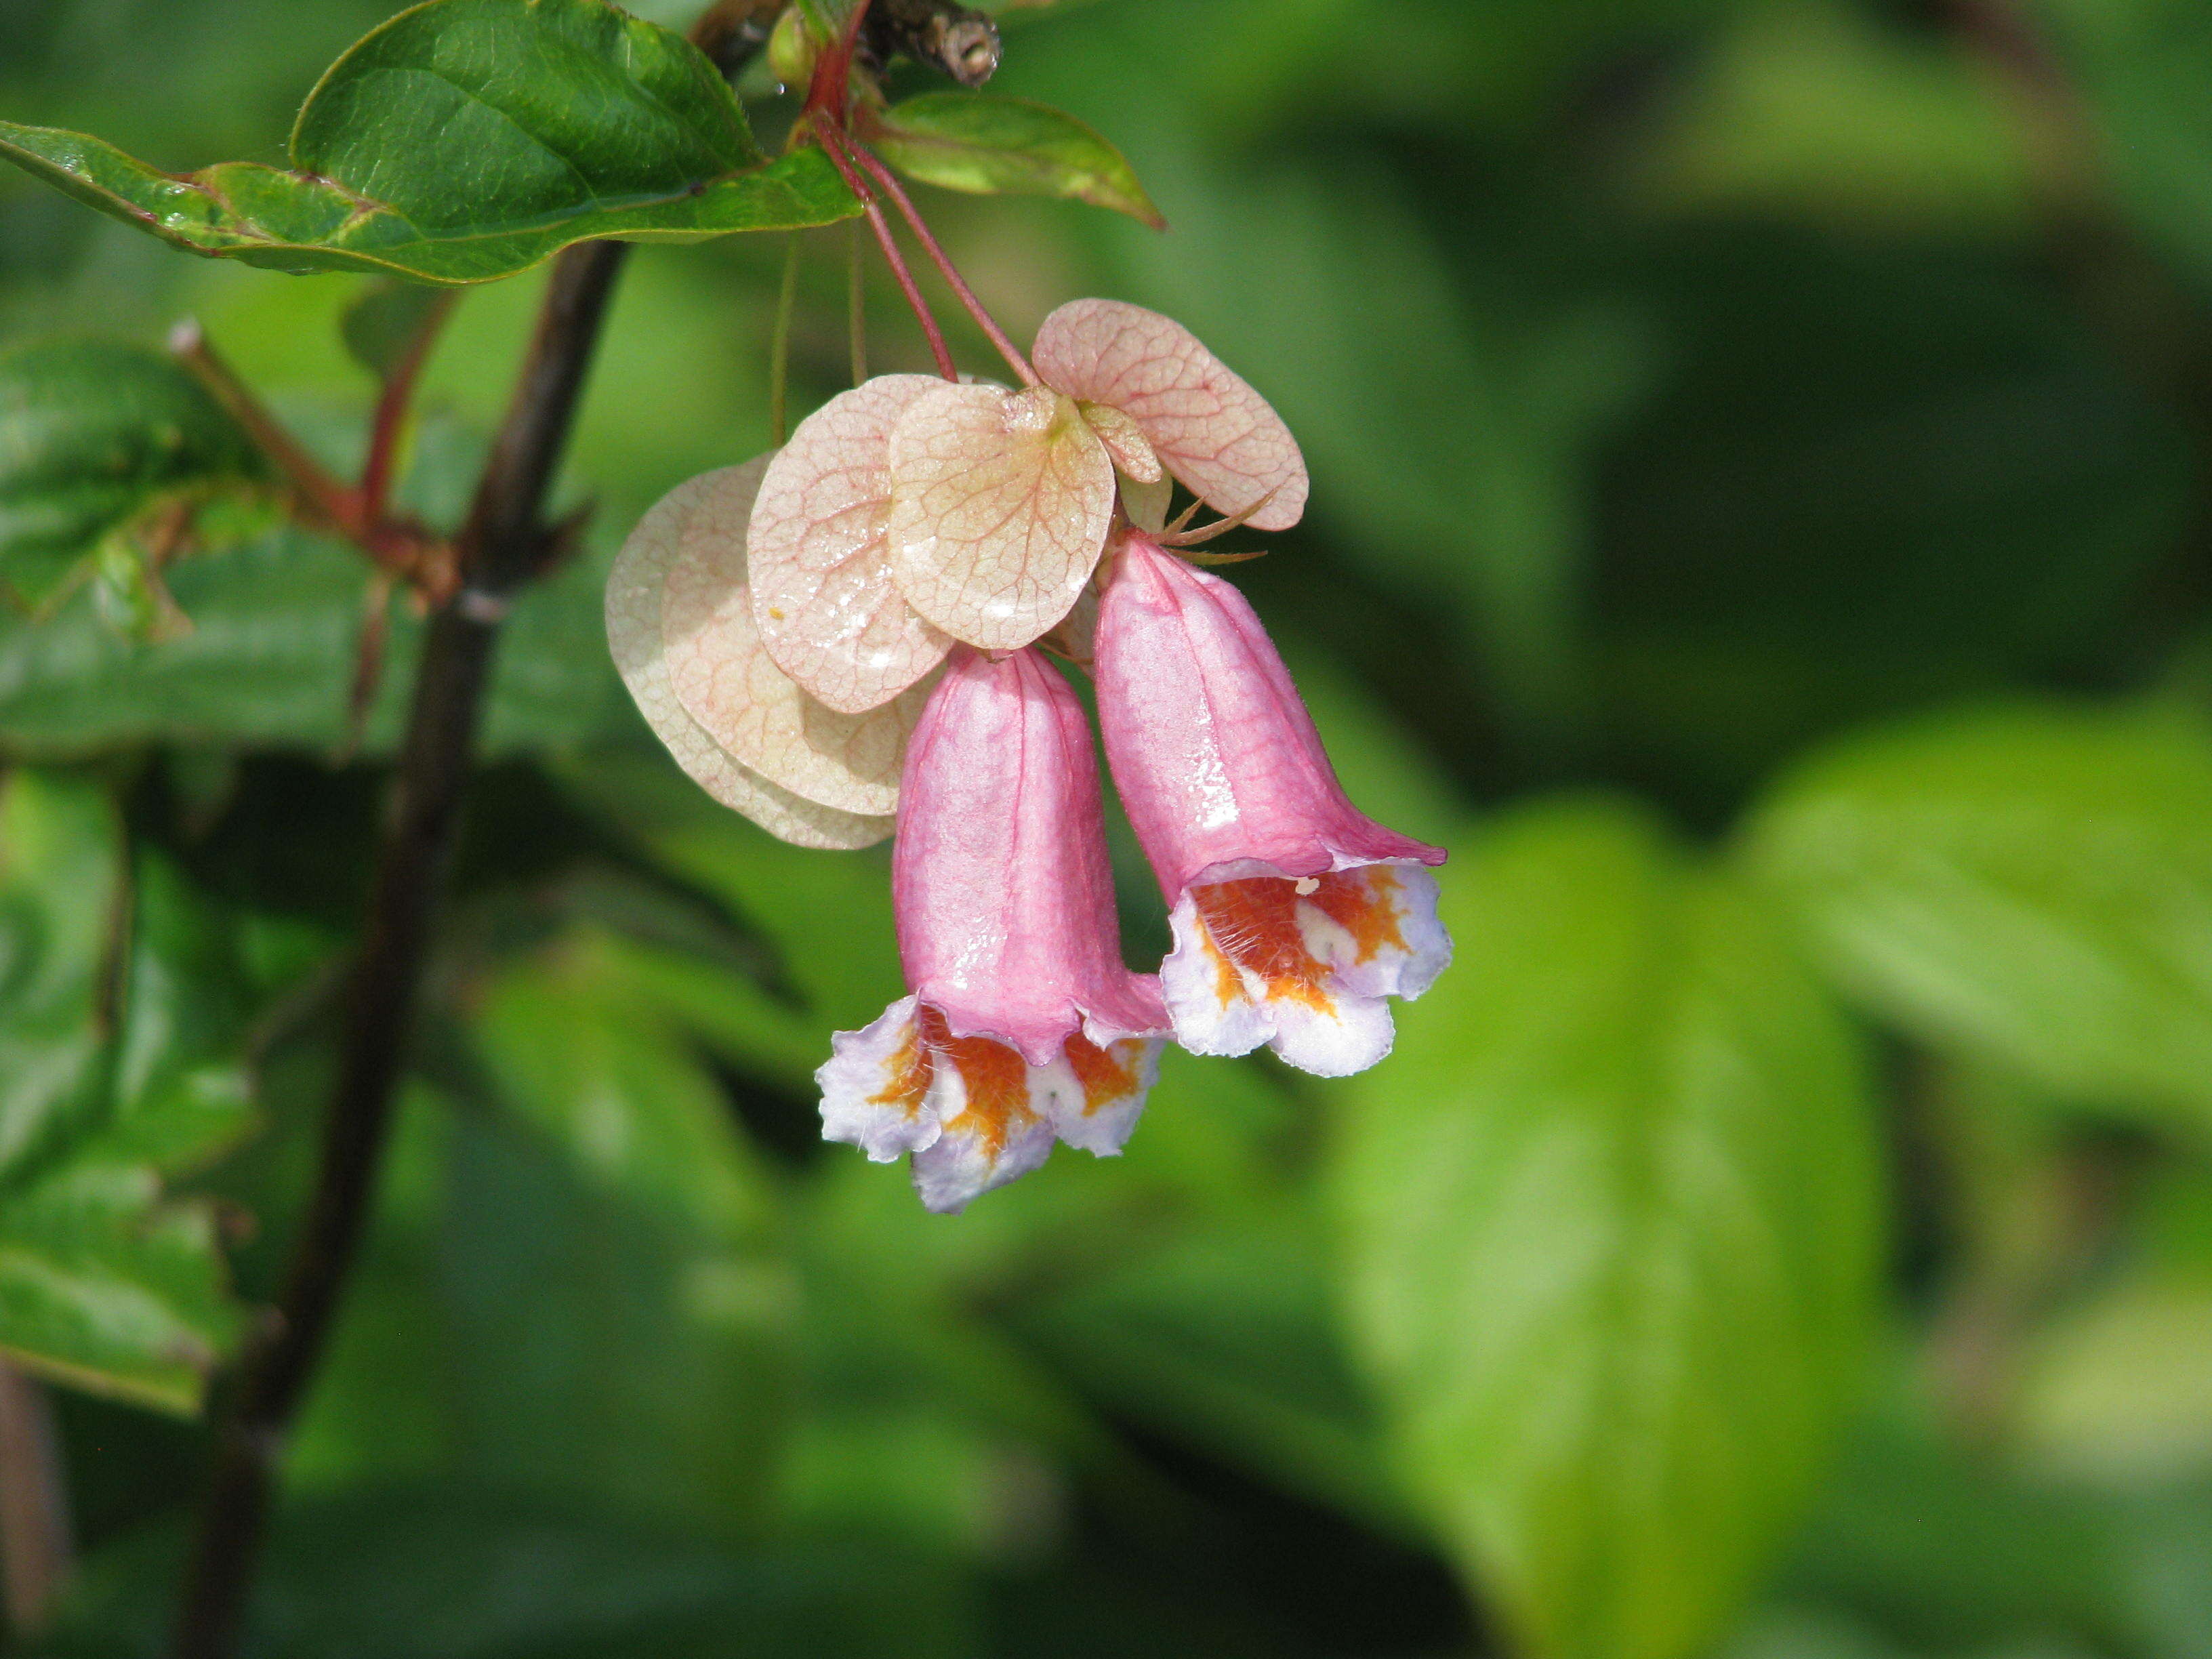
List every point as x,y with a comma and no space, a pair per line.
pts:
843,637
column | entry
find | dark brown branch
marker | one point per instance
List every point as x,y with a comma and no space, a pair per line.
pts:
505,542
35,1551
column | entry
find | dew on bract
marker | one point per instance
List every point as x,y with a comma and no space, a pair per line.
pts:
823,600
726,681
1000,502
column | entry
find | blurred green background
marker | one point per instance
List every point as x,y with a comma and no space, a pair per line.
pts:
1760,523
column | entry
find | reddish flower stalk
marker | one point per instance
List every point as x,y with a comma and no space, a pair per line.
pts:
321,493
833,146
396,546
966,296
831,91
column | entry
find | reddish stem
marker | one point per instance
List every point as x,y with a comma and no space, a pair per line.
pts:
391,406
394,545
333,502
833,146
996,335
831,91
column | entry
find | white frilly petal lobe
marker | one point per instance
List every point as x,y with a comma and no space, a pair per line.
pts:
863,1068
962,1166
1101,1122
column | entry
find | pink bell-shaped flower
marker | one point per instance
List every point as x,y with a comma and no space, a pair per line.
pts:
1023,1025
1295,917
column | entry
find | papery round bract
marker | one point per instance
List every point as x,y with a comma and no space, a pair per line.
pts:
726,681
635,587
1000,502
1132,451
823,599
1209,428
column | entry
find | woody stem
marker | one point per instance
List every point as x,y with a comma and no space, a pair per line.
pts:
833,146
953,279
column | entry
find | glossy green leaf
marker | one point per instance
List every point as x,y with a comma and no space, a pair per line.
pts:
103,1283
2034,884
93,435
990,146
1613,1219
466,140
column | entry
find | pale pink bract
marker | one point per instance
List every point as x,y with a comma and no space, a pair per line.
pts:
1001,500
635,596
1219,437
822,590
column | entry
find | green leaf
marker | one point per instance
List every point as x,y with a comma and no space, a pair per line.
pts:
103,1283
2032,885
2139,66
454,1571
615,1185
466,140
1613,1218
1224,1340
988,146
61,899
94,435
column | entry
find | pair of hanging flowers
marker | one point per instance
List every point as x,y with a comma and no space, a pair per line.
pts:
848,636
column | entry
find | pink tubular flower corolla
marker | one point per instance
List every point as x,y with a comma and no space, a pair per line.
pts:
1023,1025
1294,914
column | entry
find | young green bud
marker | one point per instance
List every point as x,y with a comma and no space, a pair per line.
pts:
793,48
